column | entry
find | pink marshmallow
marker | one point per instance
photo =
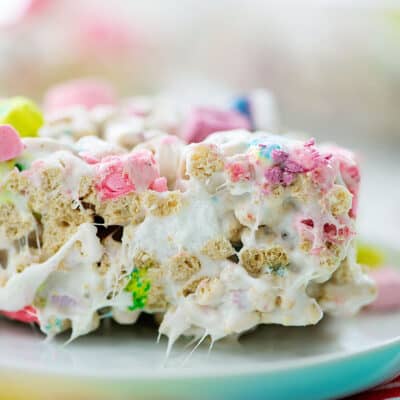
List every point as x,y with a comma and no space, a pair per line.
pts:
304,156
239,171
89,158
119,175
142,168
27,315
11,145
388,282
350,173
112,180
203,121
274,175
159,184
88,93
324,176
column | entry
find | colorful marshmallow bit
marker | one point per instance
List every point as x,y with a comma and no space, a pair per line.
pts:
387,280
27,315
242,105
142,168
139,286
87,93
112,179
20,166
350,173
119,175
23,115
239,171
203,121
159,184
259,108
266,153
11,145
370,255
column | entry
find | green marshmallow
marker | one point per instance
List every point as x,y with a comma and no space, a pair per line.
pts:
23,114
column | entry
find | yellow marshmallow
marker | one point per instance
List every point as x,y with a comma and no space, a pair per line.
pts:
371,256
22,114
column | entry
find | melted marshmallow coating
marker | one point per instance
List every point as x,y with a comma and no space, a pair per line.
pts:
217,237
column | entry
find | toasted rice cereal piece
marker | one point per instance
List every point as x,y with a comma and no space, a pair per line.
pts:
191,287
16,224
51,179
343,274
301,187
60,222
204,161
183,266
218,249
121,211
156,300
48,199
37,200
277,191
276,256
54,236
155,274
330,256
124,210
17,182
163,204
339,200
305,245
143,260
86,187
253,260
60,208
328,262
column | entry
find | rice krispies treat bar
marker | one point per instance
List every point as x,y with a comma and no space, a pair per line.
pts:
217,237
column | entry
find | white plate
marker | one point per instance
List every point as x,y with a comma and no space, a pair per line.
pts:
334,358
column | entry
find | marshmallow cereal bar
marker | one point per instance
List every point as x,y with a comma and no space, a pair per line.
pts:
213,233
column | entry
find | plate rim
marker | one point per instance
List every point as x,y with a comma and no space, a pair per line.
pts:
177,373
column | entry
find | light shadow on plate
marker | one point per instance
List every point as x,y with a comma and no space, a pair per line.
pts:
115,349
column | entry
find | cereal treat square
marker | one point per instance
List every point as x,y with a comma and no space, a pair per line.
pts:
213,238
